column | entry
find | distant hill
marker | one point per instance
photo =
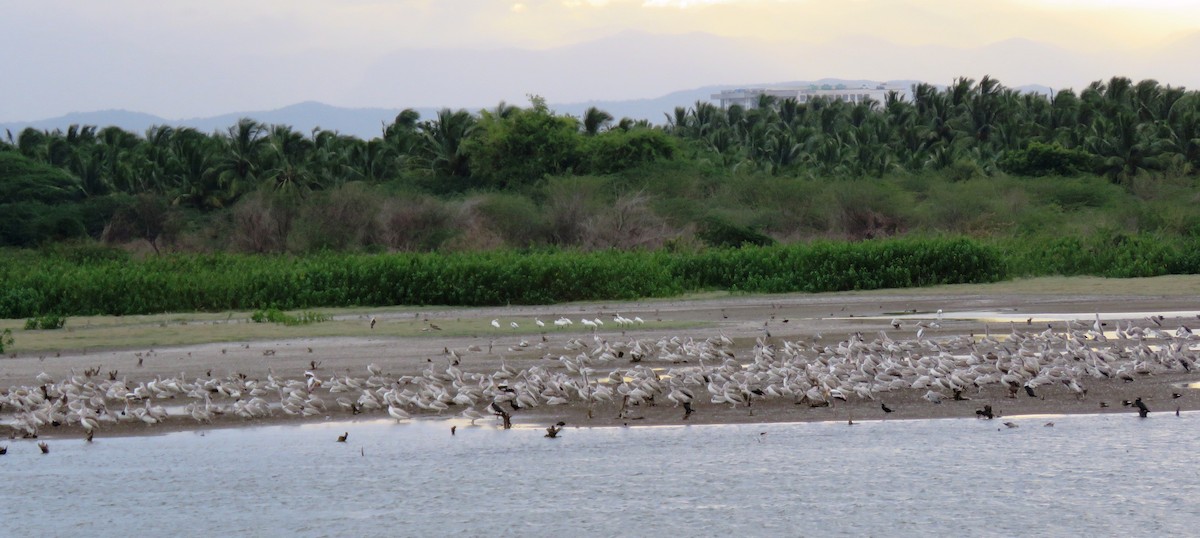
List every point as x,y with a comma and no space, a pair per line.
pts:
368,122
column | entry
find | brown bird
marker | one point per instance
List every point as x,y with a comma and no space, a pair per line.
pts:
342,438
45,447
453,429
552,431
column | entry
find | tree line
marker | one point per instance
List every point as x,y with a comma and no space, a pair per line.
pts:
585,176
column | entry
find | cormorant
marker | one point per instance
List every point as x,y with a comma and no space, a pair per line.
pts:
886,409
986,412
1143,411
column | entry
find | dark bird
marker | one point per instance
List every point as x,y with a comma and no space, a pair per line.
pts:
1176,414
342,438
552,431
1176,395
1029,391
90,433
3,450
1012,424
687,410
1103,405
1049,424
986,412
453,429
885,408
1143,411
45,447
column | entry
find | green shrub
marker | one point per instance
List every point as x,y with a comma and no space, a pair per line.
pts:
45,322
1040,159
274,315
6,339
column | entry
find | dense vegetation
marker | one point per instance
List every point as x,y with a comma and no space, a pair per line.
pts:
973,158
86,282
1102,181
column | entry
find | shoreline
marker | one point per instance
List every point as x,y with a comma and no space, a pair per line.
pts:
808,327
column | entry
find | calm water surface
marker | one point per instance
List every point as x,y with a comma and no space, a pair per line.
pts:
1087,475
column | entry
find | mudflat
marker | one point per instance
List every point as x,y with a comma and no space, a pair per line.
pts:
733,358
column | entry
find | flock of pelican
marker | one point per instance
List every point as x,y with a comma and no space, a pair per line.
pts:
625,372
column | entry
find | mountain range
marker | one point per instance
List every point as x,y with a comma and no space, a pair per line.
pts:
368,123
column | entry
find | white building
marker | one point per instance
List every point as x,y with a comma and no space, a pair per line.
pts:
748,97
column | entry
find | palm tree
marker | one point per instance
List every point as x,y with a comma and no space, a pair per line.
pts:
595,119
242,163
442,142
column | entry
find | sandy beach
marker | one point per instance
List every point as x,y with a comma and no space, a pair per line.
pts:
408,345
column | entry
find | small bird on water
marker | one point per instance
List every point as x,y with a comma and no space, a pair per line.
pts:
1143,411
342,438
552,431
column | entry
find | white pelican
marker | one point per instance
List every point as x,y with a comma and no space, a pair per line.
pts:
397,413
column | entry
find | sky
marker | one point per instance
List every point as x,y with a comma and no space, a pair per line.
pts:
189,58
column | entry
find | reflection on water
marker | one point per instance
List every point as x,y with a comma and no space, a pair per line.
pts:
1088,475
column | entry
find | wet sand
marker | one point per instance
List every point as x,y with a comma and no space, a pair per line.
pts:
809,319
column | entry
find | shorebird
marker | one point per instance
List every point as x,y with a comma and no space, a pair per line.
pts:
885,408
342,437
44,447
1012,424
1143,411
553,430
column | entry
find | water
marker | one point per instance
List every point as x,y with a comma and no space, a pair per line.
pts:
1088,475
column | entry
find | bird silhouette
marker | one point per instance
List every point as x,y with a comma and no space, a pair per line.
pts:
986,412
553,430
1143,411
342,438
885,408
